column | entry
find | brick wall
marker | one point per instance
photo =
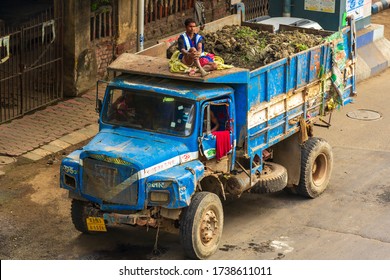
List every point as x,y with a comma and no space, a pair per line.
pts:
104,55
173,24
165,27
215,9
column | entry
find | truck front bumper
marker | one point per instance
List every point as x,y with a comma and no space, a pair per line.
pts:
138,219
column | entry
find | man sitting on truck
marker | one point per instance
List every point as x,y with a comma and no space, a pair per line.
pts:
190,45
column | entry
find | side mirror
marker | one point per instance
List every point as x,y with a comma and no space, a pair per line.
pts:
98,105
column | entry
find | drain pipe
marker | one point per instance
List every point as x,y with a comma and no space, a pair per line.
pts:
241,10
140,29
287,8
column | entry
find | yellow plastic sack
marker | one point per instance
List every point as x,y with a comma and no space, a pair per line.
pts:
176,66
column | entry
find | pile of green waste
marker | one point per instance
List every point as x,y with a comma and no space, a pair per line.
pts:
244,47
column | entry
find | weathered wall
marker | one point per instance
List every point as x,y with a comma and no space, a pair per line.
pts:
69,49
127,25
85,61
155,30
80,65
104,52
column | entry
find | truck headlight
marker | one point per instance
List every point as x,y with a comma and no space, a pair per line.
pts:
159,196
70,181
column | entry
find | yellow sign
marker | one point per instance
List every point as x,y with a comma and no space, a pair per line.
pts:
326,6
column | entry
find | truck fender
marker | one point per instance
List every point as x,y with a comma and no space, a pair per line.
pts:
74,195
180,181
288,154
212,183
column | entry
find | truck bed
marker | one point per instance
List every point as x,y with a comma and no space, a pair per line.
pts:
159,67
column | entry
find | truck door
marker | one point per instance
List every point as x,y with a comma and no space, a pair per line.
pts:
217,137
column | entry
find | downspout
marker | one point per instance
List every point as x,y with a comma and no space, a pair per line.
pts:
140,29
287,8
241,10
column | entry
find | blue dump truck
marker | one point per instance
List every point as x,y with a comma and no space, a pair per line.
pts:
158,163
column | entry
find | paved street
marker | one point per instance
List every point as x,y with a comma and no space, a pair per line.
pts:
349,221
46,128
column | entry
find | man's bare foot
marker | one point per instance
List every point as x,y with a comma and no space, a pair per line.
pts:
204,73
192,72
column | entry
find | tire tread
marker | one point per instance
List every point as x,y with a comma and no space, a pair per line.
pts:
78,215
272,184
304,186
187,223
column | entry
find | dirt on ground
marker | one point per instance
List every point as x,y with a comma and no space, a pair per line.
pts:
35,217
383,18
245,47
30,213
36,222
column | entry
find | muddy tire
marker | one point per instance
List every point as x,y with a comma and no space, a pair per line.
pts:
79,215
201,225
273,179
316,167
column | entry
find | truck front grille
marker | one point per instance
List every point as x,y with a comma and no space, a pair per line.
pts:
113,183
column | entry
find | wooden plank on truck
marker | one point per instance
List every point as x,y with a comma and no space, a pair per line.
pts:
157,66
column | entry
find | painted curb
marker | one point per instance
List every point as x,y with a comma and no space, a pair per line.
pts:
380,6
372,51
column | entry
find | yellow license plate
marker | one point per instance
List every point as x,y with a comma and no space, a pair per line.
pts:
96,224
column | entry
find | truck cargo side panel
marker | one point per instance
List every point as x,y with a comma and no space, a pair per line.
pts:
292,88
286,75
241,105
282,92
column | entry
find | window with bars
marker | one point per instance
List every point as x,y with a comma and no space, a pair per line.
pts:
158,9
102,23
255,8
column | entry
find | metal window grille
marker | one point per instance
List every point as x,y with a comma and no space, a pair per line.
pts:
102,23
255,8
159,9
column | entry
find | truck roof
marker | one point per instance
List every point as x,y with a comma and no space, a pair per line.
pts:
159,67
177,88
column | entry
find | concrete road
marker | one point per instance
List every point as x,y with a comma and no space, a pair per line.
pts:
351,220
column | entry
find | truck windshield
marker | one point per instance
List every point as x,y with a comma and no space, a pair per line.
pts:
148,111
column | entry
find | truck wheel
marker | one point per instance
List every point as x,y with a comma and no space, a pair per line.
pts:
79,215
272,179
201,225
316,167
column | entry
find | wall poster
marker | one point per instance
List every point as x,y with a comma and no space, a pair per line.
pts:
326,6
358,8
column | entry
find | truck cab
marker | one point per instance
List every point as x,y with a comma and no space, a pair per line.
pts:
153,149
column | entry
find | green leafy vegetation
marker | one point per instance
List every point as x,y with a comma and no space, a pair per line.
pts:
96,4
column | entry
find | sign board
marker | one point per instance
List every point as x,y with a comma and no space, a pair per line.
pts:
325,6
358,8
